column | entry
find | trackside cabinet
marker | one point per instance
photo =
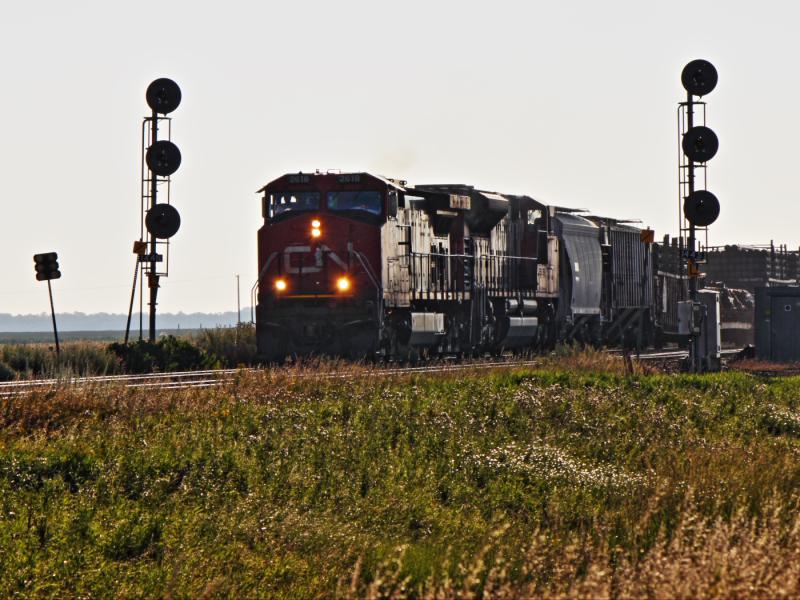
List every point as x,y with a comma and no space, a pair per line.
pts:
777,323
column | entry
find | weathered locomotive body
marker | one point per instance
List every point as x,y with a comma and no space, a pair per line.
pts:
358,265
320,263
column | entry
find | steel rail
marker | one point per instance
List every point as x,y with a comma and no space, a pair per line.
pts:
216,377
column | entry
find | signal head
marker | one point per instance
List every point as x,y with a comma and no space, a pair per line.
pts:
701,208
163,158
699,77
46,265
162,221
700,144
163,95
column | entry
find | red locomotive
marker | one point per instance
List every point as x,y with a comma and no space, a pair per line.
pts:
357,265
320,263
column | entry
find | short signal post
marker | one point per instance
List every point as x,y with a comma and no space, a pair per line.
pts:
46,265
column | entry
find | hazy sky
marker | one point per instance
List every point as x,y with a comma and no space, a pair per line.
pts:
571,102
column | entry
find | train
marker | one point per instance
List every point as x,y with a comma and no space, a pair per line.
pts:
363,266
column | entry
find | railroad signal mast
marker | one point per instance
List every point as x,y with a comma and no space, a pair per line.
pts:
160,220
46,265
700,208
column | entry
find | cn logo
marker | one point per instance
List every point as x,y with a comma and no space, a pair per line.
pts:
322,250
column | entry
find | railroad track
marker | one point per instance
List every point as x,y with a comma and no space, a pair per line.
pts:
176,379
676,354
216,377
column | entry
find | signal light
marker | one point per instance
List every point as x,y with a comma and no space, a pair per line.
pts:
699,77
46,265
700,144
701,208
162,221
280,285
343,284
163,158
163,95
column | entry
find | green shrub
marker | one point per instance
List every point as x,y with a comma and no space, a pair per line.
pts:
6,372
167,354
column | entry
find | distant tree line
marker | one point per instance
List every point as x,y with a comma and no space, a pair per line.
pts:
78,321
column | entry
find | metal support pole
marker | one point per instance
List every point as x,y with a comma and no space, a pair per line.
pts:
141,302
152,277
694,339
133,297
639,332
53,313
238,303
152,283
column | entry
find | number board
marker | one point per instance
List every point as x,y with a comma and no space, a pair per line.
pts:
350,178
300,178
459,201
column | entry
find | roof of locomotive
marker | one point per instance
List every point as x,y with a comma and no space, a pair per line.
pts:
618,224
571,219
449,188
395,183
446,188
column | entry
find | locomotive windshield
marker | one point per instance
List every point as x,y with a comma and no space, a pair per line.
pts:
365,201
287,202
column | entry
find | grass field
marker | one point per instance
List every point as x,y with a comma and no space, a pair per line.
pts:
190,350
46,337
572,480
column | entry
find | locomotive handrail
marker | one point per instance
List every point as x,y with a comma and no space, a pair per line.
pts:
367,269
434,272
503,256
365,265
253,292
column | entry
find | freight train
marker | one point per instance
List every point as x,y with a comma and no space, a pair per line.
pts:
358,265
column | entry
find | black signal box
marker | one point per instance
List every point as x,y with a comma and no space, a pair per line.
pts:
46,265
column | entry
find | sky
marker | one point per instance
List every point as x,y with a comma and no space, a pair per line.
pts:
571,102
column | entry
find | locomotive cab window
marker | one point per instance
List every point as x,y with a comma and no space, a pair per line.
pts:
363,201
283,203
534,216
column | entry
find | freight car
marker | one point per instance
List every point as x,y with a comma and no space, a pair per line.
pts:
359,265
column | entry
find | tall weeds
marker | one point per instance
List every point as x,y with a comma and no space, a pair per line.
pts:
233,346
302,482
77,359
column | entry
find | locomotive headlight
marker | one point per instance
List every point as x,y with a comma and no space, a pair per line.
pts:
280,285
315,228
343,284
